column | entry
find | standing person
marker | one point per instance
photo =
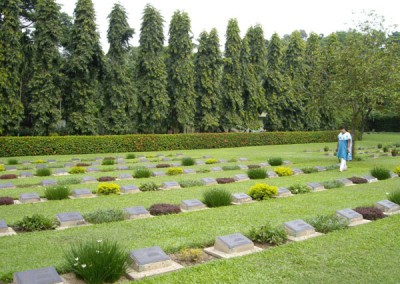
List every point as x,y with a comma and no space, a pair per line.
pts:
343,149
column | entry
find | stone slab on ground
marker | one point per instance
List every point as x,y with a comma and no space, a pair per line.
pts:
129,189
5,230
320,168
25,174
170,185
272,174
216,169
122,168
137,212
209,181
11,168
51,161
125,177
41,166
393,175
200,163
241,177
316,186
82,193
49,182
46,275
283,192
299,230
149,166
189,171
158,174
61,172
297,172
31,197
68,165
264,165
70,219
7,185
346,181
352,216
192,205
241,198
92,170
89,179
243,159
370,179
243,167
388,206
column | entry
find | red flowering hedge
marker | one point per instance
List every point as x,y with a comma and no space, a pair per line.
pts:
64,145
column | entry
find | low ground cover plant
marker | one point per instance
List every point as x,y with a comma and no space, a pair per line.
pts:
164,209
262,191
2,168
256,173
105,216
149,186
36,222
43,172
108,188
358,180
6,200
283,171
327,223
370,212
8,176
203,171
332,184
191,254
57,192
380,173
106,178
12,162
299,189
188,161
397,170
108,161
268,234
225,180
77,170
276,161
216,197
160,166
395,196
231,168
142,173
309,170
68,181
190,183
211,161
174,171
130,156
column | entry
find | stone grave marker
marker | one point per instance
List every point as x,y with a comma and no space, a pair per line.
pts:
82,193
200,163
350,215
179,154
137,212
68,165
119,157
46,275
95,163
283,192
120,162
346,181
393,175
209,181
125,177
207,157
216,169
170,185
129,189
51,161
240,198
143,160
25,174
160,155
175,164
316,186
89,179
41,166
297,172
69,219
243,159
25,163
11,168
6,185
98,159
370,178
243,167
191,205
29,197
189,171
241,177
140,156
222,161
299,230
263,165
374,156
92,170
272,174
388,206
158,174
75,160
3,226
60,172
150,166
287,162
320,169
165,159
49,182
122,168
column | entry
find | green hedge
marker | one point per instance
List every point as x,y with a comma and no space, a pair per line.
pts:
64,145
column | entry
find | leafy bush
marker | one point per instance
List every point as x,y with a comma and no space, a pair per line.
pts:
215,197
380,173
256,173
45,172
108,188
358,180
149,186
254,166
39,161
262,191
395,196
395,152
77,170
36,222
190,183
326,149
299,189
211,161
386,149
5,200
188,161
12,162
82,165
108,161
68,181
130,156
174,171
8,176
275,161
2,168
327,223
309,170
203,171
232,160
107,169
379,146
370,213
164,209
274,235
98,261
57,192
283,171
332,184
231,168
106,179
142,173
225,180
105,216
160,166
332,168
191,254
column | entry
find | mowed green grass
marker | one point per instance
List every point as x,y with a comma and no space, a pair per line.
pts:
198,229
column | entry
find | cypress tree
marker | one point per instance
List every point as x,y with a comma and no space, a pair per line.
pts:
258,50
45,85
181,73
152,74
208,80
11,108
119,92
232,101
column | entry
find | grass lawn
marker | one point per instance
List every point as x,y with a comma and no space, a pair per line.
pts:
330,258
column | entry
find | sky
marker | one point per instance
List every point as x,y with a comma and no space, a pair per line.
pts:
281,16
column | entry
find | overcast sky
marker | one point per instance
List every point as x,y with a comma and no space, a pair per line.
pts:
281,16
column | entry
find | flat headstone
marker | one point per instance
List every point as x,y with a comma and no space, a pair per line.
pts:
3,226
11,168
51,161
92,170
297,172
60,172
287,162
143,160
272,174
320,169
25,162
207,157
178,154
239,198
216,169
243,159
387,206
346,181
263,165
74,160
137,212
89,180
125,176
166,159
46,275
96,163
243,167
119,157
79,193
122,168
150,166
298,228
189,171
129,189
41,166
393,175
49,182
350,215
316,186
25,174
284,192
370,178
241,177
68,165
158,174
233,243
222,161
98,159
149,258
68,219
29,197
200,163
6,185
192,204
374,156
170,185
175,164
160,155
120,162
209,181
140,156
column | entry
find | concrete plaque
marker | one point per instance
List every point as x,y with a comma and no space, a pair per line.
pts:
25,163
80,193
25,174
175,164
272,174
234,243
350,215
29,197
89,180
3,226
129,189
316,186
125,176
68,219
216,169
243,167
51,161
120,162
158,174
149,258
166,159
192,204
320,169
263,165
284,192
170,185
243,159
96,163
298,228
200,163
122,168
393,175
137,212
207,157
60,172
75,160
297,172
287,162
239,198
150,166
209,181
189,171
346,181
11,168
46,275
41,166
143,160
68,165
222,161
6,185
92,170
387,206
49,182
241,177
370,178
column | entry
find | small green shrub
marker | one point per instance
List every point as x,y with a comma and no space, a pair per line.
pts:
395,152
232,160
326,149
45,172
130,156
358,180
105,216
39,161
386,149
231,168
191,254
57,192
108,161
275,161
5,200
190,183
262,191
68,181
164,209
254,166
174,171
12,162
327,223
395,196
108,188
161,166
283,171
225,180
149,186
211,161
8,176
256,173
380,173
274,235
397,170
333,184
98,261
77,170
2,168
188,161
142,173
36,222
103,179
216,197
370,212
379,146
299,189
203,171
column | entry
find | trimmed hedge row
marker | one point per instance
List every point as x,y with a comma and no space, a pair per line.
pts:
65,145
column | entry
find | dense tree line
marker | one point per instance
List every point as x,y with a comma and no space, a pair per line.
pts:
55,78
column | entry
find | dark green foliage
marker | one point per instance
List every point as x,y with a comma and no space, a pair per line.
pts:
57,192
161,166
130,156
332,184
149,186
5,200
43,172
299,189
309,170
257,173
380,173
105,216
327,223
386,149
164,209
231,168
274,235
68,181
142,173
370,213
380,146
254,166
108,162
12,162
188,161
216,197
395,196
36,222
275,161
152,74
190,183
97,262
